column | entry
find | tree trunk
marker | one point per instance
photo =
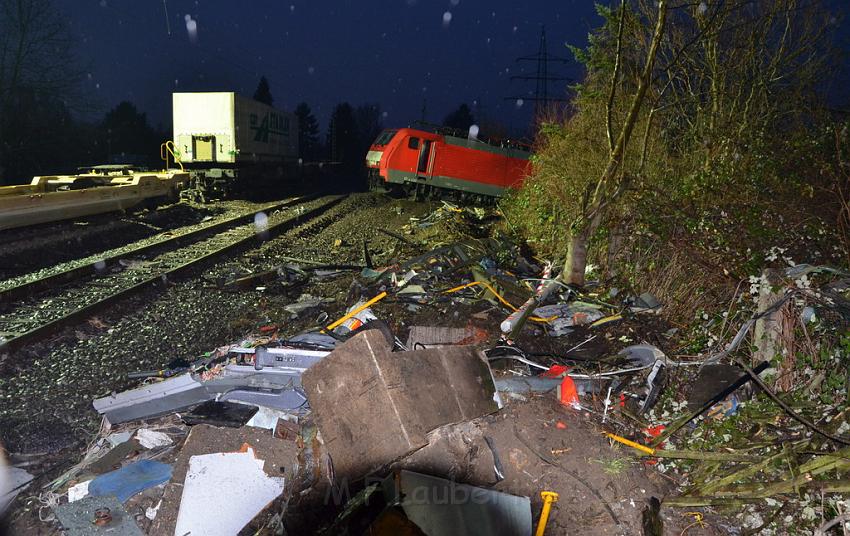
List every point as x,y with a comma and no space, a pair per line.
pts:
577,258
608,187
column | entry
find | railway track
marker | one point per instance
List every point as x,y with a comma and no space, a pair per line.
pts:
36,309
108,262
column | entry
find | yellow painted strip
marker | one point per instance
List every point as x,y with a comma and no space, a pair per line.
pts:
606,319
369,303
498,296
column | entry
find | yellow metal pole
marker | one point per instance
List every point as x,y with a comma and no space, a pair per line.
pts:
548,497
624,441
369,303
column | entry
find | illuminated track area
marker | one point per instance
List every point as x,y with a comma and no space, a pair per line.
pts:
34,310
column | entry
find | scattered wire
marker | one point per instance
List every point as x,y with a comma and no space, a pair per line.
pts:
498,296
518,355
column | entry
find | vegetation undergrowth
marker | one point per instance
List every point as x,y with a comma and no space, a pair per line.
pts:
735,179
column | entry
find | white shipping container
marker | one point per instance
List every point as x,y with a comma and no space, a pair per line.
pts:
224,128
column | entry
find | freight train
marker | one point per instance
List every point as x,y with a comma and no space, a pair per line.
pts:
425,163
222,143
228,142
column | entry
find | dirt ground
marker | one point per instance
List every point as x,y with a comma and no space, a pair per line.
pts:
542,444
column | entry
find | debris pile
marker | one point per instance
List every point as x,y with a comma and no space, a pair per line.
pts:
459,371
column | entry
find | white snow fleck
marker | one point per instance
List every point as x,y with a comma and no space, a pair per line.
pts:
261,221
519,103
447,19
192,28
473,132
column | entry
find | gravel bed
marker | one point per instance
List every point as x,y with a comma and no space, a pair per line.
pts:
53,305
119,243
46,395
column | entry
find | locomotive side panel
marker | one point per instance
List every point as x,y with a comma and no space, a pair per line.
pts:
447,162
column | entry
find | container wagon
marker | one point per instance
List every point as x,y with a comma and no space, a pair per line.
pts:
419,162
228,142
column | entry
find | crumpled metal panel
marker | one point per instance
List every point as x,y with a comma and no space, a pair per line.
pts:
77,518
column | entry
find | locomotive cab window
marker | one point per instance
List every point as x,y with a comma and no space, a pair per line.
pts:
385,137
413,143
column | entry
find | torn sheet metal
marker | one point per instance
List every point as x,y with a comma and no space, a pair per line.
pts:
424,504
78,517
274,381
483,512
13,480
539,384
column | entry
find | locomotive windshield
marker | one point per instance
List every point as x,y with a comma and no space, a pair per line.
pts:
385,137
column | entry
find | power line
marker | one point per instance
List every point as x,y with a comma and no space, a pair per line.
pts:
542,78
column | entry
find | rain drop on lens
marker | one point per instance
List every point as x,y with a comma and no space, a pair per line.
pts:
192,28
261,221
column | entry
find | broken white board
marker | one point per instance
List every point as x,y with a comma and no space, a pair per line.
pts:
223,492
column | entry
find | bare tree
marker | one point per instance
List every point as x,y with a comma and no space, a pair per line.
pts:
612,183
738,70
37,68
707,85
35,49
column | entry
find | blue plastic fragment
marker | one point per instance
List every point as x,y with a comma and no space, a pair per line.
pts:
130,480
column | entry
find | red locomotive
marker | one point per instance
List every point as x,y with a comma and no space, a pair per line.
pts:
419,162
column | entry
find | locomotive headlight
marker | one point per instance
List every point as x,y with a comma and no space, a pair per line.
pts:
373,158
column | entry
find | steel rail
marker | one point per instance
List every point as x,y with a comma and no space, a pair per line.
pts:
161,278
28,289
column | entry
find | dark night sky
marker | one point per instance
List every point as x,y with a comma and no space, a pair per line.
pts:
392,52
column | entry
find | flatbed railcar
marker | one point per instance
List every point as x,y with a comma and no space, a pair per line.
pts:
424,163
100,189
